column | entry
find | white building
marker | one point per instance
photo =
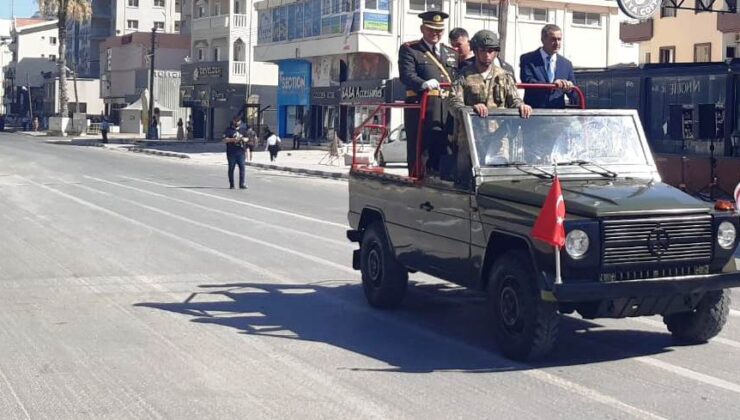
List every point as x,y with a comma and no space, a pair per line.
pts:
34,47
6,56
222,73
333,51
117,17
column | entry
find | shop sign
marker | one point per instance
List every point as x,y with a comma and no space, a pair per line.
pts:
366,92
376,21
294,82
205,73
639,9
325,96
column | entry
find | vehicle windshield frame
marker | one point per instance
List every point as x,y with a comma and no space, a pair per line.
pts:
647,169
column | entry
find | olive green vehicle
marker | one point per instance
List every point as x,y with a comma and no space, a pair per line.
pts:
634,246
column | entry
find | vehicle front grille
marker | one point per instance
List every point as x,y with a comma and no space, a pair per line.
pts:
656,240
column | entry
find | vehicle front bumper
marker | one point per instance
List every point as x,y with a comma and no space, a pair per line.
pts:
664,286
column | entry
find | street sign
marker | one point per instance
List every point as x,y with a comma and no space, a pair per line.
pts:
639,9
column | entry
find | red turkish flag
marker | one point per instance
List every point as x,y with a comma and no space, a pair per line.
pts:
549,224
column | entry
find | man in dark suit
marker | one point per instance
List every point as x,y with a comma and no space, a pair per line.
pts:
545,65
422,66
460,42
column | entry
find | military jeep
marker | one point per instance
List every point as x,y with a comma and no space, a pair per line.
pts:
634,245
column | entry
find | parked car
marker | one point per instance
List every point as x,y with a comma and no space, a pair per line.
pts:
393,149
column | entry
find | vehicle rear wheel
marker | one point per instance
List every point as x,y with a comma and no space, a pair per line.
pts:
384,279
525,327
704,322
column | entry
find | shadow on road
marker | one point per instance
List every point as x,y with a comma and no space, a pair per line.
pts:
439,328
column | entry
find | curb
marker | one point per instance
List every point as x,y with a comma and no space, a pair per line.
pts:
159,153
313,172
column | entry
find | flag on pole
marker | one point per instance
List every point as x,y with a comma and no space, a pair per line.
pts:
549,224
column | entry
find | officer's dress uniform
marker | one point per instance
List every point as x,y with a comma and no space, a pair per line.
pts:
417,63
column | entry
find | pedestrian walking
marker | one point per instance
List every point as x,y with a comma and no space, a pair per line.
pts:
235,154
154,129
180,132
104,128
251,141
297,134
273,145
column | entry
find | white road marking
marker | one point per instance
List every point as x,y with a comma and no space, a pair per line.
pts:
656,324
280,248
244,203
225,213
15,395
536,374
690,374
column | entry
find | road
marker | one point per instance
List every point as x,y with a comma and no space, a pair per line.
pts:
139,287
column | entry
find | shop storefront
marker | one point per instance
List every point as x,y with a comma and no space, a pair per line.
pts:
293,95
359,100
324,113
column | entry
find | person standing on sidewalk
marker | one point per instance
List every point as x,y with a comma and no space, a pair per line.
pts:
104,128
180,131
235,154
273,144
297,134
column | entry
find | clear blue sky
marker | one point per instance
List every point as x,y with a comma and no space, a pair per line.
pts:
23,8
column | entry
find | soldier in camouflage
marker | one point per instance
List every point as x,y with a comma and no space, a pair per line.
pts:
484,85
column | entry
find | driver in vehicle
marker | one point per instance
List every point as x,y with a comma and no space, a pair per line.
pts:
483,86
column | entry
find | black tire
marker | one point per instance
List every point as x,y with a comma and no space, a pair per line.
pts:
704,322
384,279
525,327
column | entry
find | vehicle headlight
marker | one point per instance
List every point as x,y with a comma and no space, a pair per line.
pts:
726,235
576,243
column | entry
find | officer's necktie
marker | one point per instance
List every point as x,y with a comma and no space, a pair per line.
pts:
550,69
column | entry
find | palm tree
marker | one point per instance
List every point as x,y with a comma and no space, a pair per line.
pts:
64,10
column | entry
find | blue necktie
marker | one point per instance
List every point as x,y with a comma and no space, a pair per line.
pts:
550,70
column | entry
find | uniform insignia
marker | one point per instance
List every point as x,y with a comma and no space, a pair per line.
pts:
437,18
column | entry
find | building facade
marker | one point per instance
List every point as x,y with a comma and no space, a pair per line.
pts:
6,56
113,18
221,73
665,38
34,47
126,70
350,48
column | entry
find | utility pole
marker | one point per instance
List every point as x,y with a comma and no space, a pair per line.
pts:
151,85
503,22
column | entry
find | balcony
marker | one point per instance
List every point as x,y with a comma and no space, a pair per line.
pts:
238,73
728,22
218,24
636,32
239,21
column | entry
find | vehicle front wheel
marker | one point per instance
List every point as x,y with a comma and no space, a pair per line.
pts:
704,322
525,327
384,279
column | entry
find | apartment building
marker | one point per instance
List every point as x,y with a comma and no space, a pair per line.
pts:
333,51
34,47
666,38
113,18
222,73
6,56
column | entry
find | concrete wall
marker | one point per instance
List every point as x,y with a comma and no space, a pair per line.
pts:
88,92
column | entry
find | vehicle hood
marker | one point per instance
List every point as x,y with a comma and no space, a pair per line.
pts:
597,198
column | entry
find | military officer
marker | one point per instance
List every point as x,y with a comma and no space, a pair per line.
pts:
423,65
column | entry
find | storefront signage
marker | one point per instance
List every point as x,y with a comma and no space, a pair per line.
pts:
205,73
325,96
639,9
372,91
294,83
376,21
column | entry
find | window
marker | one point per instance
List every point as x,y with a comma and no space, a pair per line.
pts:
201,54
159,26
178,6
533,14
133,3
177,26
486,10
216,54
667,54
201,12
703,6
52,57
730,52
648,58
667,11
703,52
158,3
53,40
132,24
424,5
587,19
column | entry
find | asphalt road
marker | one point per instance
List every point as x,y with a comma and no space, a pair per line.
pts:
139,287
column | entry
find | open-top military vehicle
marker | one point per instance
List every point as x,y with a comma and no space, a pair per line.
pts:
634,245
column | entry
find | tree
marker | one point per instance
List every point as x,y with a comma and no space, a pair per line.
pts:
63,11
